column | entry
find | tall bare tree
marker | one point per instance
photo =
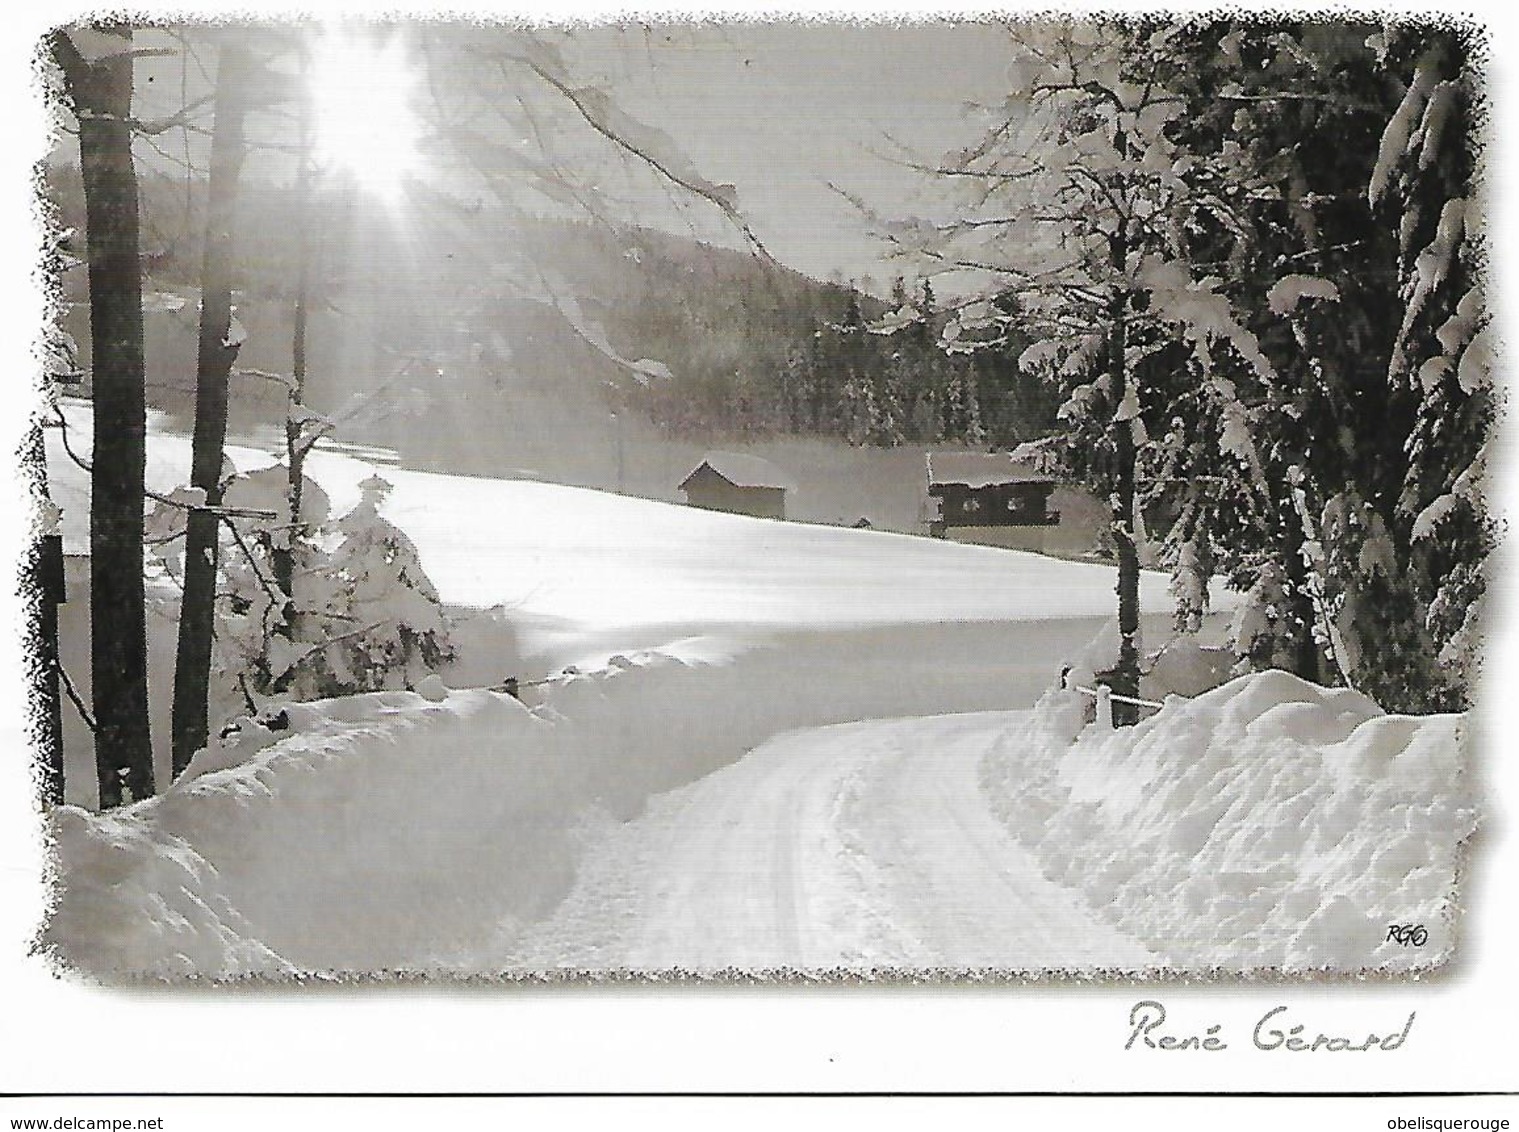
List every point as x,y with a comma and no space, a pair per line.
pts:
97,65
298,439
218,347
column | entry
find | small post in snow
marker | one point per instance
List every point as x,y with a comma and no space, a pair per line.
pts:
1104,708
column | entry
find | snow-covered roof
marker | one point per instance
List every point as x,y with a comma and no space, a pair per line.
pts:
744,471
1041,455
981,469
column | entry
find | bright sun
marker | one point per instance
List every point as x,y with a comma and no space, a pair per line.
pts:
363,119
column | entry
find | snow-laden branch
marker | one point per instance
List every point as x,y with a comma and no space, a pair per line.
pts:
652,146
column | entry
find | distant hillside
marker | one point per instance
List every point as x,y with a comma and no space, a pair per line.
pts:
475,342
391,307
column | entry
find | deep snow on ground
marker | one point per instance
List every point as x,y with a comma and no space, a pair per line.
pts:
570,562
393,831
540,576
1266,824
865,848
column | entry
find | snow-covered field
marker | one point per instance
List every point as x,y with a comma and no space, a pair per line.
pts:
797,688
542,576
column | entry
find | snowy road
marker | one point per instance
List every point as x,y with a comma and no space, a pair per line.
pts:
858,846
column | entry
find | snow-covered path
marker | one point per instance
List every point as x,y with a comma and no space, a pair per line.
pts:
860,846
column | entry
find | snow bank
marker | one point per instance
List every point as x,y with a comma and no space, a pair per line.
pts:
1268,824
403,831
383,827
139,898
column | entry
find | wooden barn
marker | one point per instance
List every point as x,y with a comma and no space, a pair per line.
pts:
743,485
989,498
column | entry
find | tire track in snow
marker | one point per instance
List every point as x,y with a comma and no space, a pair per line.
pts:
863,846
787,893
976,897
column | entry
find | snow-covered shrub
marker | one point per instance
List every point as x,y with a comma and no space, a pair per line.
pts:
1185,667
364,616
377,581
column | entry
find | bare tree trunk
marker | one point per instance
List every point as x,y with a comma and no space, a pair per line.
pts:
283,558
101,91
45,581
192,669
1314,571
1125,677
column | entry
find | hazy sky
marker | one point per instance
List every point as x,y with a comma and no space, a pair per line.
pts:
780,110
777,109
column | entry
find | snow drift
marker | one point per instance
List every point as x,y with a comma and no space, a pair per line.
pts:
1268,824
406,831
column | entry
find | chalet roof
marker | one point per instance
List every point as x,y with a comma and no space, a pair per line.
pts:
981,469
743,471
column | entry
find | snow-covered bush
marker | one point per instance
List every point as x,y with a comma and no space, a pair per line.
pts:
364,616
376,581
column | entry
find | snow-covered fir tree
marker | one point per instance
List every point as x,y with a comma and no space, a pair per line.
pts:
366,615
1244,253
1349,147
382,586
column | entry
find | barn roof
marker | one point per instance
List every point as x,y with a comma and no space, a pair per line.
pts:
981,469
743,471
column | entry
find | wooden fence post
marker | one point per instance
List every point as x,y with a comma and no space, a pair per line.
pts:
1104,708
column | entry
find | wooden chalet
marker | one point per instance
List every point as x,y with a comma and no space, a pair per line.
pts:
742,485
989,498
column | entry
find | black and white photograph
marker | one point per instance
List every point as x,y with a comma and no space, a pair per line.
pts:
1000,498
840,553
